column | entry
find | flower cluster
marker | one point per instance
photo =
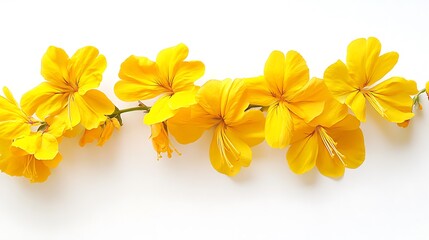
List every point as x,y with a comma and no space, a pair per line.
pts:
316,119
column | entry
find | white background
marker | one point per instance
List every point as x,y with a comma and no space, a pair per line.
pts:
122,191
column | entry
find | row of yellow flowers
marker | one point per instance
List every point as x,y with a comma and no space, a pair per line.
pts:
317,118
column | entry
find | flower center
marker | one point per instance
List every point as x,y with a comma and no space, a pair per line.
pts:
374,102
330,144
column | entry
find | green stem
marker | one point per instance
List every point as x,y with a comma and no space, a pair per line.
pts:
416,97
139,108
117,113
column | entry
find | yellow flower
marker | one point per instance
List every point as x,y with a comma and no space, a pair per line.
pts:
221,105
356,82
287,91
331,141
160,141
170,76
102,133
31,156
13,121
69,90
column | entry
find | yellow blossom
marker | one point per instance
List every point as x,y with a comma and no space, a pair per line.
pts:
331,141
102,133
13,121
170,77
31,156
287,92
160,141
222,105
69,90
357,81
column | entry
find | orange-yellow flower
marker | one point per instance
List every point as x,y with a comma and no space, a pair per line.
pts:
170,77
332,141
30,156
69,90
101,134
160,141
14,122
287,92
222,105
356,81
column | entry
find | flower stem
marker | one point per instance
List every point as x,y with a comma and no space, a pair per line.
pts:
139,108
416,98
117,113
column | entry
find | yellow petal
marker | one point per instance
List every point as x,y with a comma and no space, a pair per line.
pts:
327,165
30,144
48,147
302,154
362,55
333,112
86,67
251,128
225,99
308,103
186,74
44,99
338,81
54,162
90,136
392,100
274,72
382,66
356,102
93,108
159,112
139,80
351,145
228,153
278,126
54,66
168,61
186,128
258,92
296,73
183,99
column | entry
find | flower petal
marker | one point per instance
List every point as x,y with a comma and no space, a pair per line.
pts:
48,148
381,67
228,153
54,66
183,99
186,74
351,145
258,92
139,80
86,69
278,126
302,154
356,102
250,128
362,55
308,102
93,108
159,112
296,73
187,128
274,72
338,81
392,99
329,166
168,61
